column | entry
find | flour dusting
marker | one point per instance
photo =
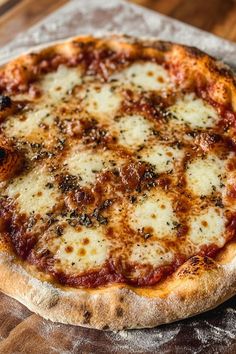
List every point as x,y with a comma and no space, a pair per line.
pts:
140,341
208,333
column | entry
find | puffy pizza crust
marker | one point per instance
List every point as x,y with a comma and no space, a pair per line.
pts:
198,285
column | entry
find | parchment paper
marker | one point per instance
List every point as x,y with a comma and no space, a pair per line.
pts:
103,16
213,332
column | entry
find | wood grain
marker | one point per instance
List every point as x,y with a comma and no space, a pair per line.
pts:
215,16
23,15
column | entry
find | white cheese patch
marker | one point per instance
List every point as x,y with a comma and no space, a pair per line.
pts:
148,76
204,176
132,130
151,253
162,157
83,250
85,165
194,112
31,193
154,212
208,228
16,126
57,84
102,100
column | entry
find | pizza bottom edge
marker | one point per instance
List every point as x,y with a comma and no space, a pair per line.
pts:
193,289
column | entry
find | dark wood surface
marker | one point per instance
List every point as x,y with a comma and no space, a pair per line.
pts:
215,16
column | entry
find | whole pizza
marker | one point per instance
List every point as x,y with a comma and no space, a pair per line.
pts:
117,182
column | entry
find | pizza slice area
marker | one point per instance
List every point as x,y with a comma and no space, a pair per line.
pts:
113,170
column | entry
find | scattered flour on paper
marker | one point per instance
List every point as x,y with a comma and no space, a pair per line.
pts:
221,333
139,341
209,335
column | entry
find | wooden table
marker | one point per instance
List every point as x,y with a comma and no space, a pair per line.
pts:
215,16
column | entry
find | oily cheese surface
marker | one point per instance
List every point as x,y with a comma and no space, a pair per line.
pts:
125,174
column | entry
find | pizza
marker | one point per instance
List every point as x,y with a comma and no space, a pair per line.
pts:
117,182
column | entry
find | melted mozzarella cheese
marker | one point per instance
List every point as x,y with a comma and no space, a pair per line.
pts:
154,212
57,84
132,130
162,157
205,175
31,192
86,165
151,253
16,126
208,228
194,112
102,100
148,76
82,250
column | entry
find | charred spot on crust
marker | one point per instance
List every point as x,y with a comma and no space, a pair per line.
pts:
105,328
119,312
204,262
53,300
196,265
223,69
5,102
182,297
87,316
162,46
195,52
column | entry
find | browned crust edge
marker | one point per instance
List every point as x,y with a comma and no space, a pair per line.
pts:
198,285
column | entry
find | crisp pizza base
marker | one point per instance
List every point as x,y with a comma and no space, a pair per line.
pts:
201,283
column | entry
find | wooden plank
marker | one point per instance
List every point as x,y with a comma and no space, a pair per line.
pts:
6,5
202,13
163,6
214,16
23,15
227,27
